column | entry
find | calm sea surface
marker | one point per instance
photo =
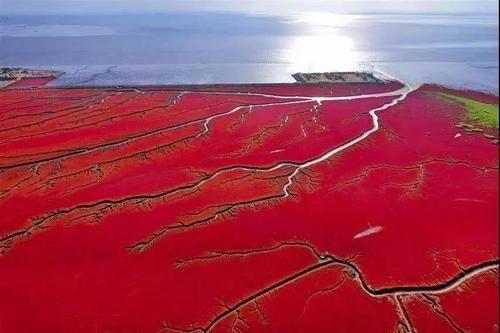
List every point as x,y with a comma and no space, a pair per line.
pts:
173,48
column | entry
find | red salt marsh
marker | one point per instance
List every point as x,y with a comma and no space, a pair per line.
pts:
30,82
260,208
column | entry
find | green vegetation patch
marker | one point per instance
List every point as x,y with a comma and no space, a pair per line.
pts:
481,113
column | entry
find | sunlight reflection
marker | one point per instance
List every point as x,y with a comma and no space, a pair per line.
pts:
322,53
323,45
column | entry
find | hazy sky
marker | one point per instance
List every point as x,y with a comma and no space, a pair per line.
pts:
263,7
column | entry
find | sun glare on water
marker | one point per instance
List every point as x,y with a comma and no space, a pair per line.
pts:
322,53
324,45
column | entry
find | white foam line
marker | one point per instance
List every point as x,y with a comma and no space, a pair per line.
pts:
469,200
310,98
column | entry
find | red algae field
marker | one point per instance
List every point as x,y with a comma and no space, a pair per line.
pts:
259,208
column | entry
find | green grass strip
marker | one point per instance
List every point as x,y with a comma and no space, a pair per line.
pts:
481,113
